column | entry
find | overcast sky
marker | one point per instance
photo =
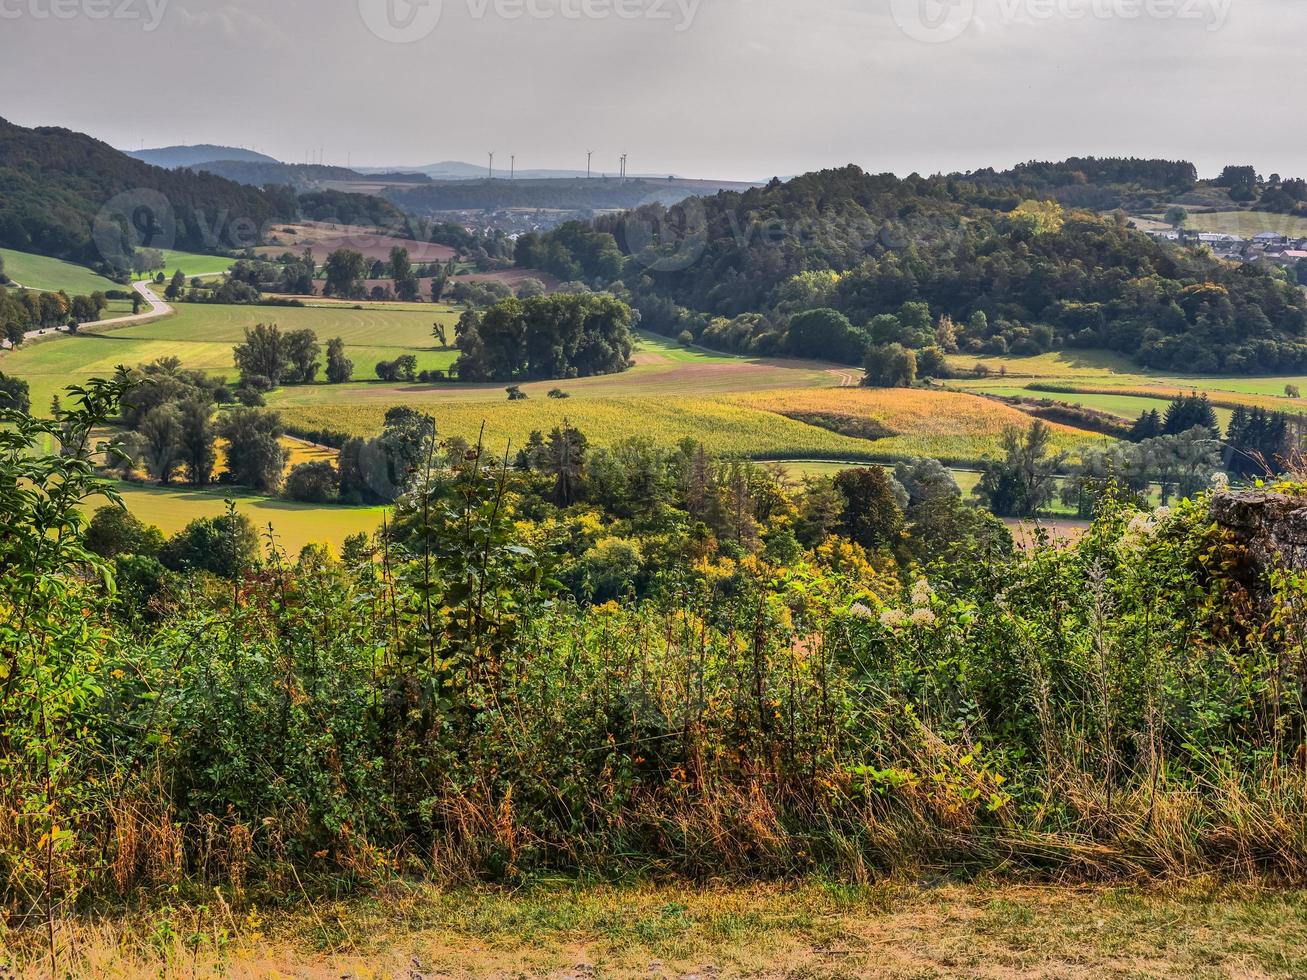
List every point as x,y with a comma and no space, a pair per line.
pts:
715,88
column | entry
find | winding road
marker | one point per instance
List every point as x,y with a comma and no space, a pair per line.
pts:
158,308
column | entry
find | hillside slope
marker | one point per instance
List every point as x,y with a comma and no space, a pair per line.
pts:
57,181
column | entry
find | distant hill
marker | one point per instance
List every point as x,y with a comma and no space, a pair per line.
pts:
457,170
57,181
301,176
169,157
575,194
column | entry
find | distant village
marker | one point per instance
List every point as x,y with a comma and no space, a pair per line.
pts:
1266,246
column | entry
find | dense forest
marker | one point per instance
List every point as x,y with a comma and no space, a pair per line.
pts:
56,182
997,273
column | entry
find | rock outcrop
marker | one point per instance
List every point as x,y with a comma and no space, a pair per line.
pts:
1272,526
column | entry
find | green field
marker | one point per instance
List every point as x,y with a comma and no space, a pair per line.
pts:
1125,406
293,524
194,263
1246,224
203,335
42,272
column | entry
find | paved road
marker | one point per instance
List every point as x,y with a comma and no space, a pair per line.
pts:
158,308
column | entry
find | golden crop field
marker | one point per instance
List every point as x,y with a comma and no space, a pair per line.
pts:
949,425
945,424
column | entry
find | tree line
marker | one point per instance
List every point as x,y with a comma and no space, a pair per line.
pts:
1022,278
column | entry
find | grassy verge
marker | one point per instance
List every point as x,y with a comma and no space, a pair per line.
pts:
811,930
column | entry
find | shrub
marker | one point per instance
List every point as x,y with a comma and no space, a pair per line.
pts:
316,482
223,546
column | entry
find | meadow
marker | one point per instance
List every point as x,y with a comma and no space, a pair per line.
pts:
194,263
324,238
1246,224
819,930
202,337
43,272
1109,383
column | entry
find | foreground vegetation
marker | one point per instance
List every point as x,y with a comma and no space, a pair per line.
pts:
816,930
678,667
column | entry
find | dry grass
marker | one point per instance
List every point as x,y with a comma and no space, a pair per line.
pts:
809,930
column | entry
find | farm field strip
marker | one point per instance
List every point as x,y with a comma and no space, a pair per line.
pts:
324,238
947,425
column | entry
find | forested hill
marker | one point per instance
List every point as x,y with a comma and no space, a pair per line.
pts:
1094,182
53,183
1011,274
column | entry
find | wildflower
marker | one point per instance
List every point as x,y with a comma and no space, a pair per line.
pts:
921,593
859,610
1140,525
1220,481
1161,514
923,617
892,618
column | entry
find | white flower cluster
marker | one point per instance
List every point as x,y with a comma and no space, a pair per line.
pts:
893,618
1144,526
860,610
922,593
1220,481
921,615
